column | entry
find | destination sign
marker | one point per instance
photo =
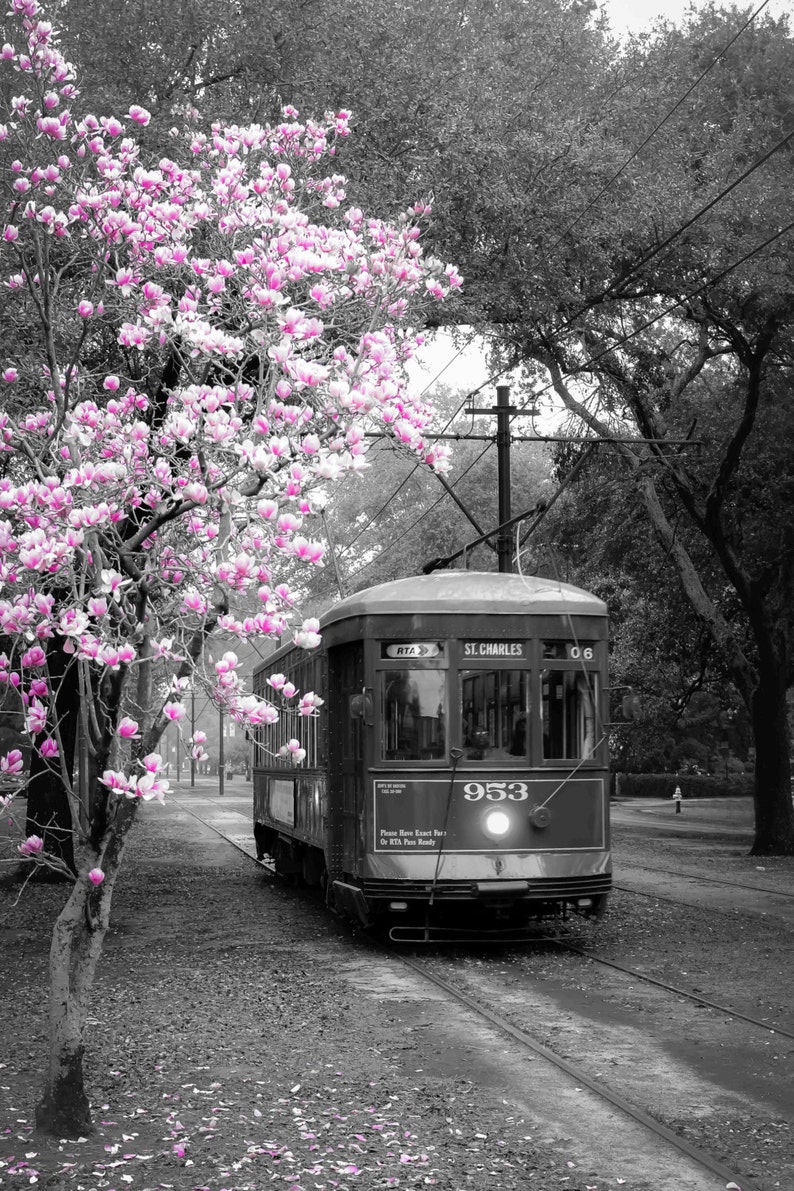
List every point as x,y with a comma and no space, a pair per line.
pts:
495,649
413,649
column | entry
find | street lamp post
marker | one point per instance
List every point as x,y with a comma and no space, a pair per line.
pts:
221,757
192,735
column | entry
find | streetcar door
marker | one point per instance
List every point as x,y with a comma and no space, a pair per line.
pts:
345,759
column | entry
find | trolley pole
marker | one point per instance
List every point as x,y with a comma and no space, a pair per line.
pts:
504,540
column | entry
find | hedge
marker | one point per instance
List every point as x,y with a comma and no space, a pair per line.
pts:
663,785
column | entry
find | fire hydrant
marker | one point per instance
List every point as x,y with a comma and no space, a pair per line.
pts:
677,798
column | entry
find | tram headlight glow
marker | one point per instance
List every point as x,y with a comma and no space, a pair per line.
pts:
496,824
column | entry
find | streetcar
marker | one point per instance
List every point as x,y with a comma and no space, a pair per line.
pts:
456,777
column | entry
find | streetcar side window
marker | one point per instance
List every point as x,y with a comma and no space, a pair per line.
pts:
413,708
305,673
568,703
495,712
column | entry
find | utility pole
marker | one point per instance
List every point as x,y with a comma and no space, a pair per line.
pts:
504,549
502,533
504,411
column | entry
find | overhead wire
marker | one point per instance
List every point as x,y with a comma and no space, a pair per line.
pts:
580,368
586,364
558,331
658,127
610,182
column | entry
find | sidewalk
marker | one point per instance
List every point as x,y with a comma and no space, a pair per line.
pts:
714,814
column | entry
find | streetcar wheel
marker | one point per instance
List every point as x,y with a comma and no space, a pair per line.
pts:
313,866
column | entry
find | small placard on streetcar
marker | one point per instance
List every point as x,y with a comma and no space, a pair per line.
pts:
570,651
412,649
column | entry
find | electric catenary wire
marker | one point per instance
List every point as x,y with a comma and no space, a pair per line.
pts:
610,290
658,127
592,360
568,229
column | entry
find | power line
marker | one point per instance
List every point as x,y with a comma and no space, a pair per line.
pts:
594,359
654,131
615,286
558,331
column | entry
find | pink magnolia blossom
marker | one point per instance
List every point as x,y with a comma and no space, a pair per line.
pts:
139,115
119,782
129,532
13,762
148,787
35,656
36,719
294,751
96,876
32,846
310,704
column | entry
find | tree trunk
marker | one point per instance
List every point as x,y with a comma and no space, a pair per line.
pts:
48,812
75,950
774,811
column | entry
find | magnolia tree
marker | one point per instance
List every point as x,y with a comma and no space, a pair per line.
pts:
193,348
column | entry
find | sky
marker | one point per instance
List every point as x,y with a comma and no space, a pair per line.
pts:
636,15
467,370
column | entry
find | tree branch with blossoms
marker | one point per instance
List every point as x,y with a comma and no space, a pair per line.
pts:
195,347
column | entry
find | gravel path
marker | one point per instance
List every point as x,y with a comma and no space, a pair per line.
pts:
234,1043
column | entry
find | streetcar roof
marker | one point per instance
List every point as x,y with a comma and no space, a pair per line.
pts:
469,592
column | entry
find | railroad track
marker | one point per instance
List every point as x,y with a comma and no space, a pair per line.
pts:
668,872
677,901
656,1127
697,998
695,1154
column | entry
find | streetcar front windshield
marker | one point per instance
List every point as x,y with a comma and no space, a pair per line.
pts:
568,710
495,714
413,714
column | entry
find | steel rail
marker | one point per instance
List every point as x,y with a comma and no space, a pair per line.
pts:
518,937
669,872
657,1128
676,901
680,992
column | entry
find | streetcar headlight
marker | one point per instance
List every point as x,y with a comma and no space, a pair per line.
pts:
496,824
